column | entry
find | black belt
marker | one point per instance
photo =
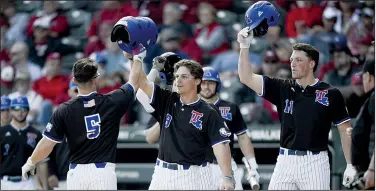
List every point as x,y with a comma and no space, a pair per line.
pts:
174,166
297,152
12,178
98,165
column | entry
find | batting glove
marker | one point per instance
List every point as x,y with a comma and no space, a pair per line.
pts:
140,57
349,175
28,167
228,183
159,62
245,37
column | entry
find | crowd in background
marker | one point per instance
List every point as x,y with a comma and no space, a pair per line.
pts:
40,41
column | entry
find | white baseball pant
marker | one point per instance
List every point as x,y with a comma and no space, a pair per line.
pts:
7,184
93,176
301,172
193,178
218,177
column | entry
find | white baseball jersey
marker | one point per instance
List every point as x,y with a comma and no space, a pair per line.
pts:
307,172
89,177
218,177
22,185
194,178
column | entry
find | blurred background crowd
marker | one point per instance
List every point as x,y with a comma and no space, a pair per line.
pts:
41,40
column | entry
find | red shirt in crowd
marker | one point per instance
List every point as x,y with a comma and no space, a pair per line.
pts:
51,89
59,24
310,16
95,46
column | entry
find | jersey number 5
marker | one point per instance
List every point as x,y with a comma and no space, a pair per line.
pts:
93,126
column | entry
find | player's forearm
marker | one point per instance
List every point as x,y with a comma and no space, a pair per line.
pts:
152,134
223,156
246,146
42,173
244,65
43,149
134,76
346,144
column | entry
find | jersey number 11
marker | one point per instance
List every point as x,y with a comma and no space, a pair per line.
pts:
93,126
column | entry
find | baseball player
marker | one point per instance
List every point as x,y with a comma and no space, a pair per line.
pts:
5,117
189,125
18,141
306,106
230,112
90,125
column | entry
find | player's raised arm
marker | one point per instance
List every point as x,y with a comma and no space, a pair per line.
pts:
246,75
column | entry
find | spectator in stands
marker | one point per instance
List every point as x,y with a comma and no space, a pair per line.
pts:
172,16
364,45
340,77
270,64
4,54
17,23
210,36
226,63
114,57
5,116
7,77
103,35
23,88
112,11
363,133
59,26
357,97
19,53
283,50
284,72
371,52
41,44
305,16
361,31
169,41
322,36
50,86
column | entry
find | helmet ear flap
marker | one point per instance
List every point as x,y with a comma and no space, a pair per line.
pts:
261,29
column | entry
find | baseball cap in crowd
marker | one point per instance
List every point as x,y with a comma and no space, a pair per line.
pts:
42,22
98,57
72,85
5,103
367,12
19,102
270,57
330,13
369,66
54,55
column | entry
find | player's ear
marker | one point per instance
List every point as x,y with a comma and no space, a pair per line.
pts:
197,82
311,64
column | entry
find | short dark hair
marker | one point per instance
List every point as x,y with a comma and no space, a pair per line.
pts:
194,67
84,70
311,52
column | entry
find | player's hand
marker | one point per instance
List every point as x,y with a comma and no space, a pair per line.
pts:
159,62
228,183
369,178
140,57
28,167
245,37
53,182
349,175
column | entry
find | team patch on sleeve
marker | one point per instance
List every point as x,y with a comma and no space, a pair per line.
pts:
224,131
196,119
225,113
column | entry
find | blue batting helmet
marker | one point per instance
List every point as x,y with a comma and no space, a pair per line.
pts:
19,102
5,103
210,74
260,16
134,34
